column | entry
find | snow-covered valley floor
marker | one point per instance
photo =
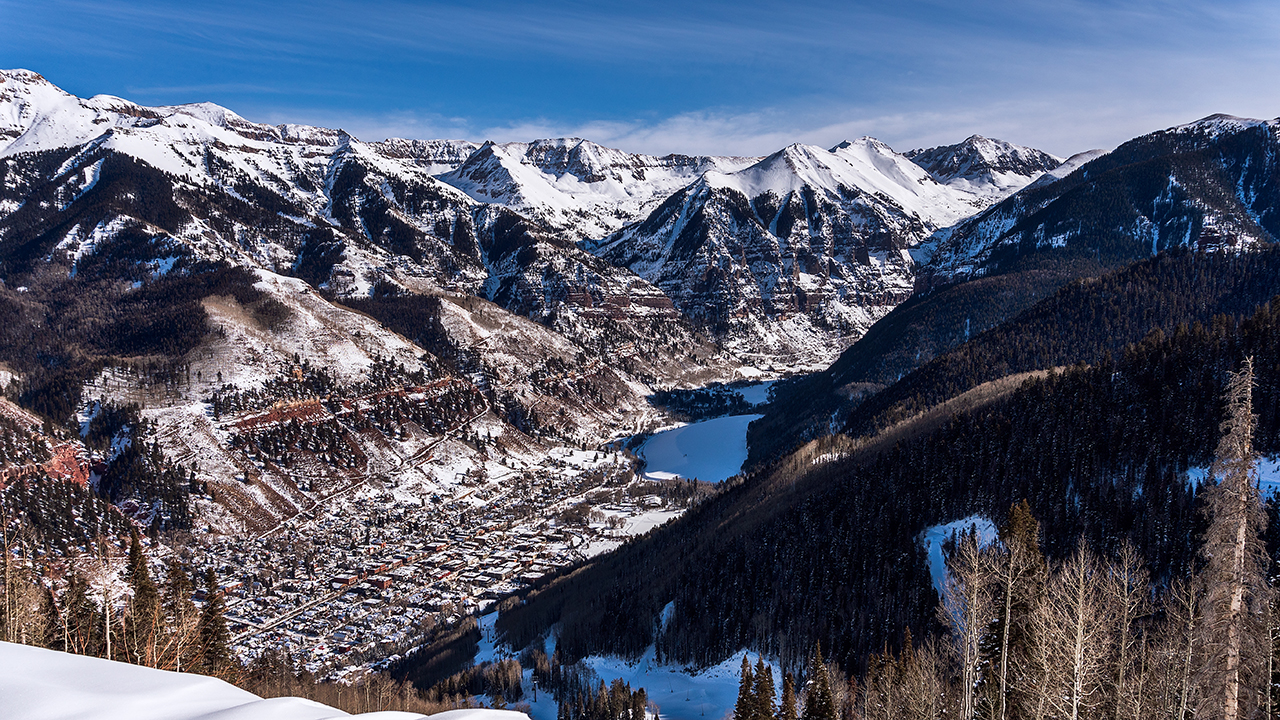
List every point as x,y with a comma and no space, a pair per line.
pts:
711,450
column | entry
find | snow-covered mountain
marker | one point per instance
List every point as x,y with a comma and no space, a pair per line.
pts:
575,186
983,166
805,244
340,213
1207,184
787,259
101,200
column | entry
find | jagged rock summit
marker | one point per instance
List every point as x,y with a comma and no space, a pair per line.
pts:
983,166
806,245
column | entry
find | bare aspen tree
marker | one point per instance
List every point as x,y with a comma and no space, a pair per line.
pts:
104,575
924,687
967,608
8,573
25,615
1272,646
1236,592
1073,621
1174,690
1128,587
1141,679
879,688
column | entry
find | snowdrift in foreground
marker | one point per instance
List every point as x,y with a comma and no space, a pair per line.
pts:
39,684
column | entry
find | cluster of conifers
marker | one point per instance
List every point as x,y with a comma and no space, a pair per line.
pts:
92,614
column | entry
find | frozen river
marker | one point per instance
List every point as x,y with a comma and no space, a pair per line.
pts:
711,450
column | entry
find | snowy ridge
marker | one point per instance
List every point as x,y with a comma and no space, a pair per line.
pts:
575,185
786,259
1210,200
1218,124
865,164
343,213
804,244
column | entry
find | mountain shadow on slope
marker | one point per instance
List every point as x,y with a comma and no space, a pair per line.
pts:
1209,185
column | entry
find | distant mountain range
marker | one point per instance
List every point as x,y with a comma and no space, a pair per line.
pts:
784,259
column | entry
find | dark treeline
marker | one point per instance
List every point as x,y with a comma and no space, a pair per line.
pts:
826,547
712,401
1085,320
59,334
1079,322
924,326
417,317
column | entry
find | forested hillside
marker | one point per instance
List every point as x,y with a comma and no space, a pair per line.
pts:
825,547
1080,322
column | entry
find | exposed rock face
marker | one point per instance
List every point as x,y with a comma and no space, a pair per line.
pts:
203,183
786,259
796,254
575,187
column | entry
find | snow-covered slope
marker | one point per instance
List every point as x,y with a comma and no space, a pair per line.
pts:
575,186
798,253
39,684
1208,184
785,259
342,214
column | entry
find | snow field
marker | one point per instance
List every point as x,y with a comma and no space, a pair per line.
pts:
680,693
711,450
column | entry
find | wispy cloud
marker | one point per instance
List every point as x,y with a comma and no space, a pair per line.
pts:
668,76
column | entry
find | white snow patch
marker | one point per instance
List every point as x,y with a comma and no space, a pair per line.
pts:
681,693
1268,475
56,686
936,535
757,394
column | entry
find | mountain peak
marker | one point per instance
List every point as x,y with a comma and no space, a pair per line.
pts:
1219,123
985,166
24,77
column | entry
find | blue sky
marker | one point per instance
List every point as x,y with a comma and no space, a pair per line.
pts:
698,77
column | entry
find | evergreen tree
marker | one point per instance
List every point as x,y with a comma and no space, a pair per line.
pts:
639,701
81,628
787,710
181,614
764,690
1231,678
819,703
745,708
144,619
215,640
